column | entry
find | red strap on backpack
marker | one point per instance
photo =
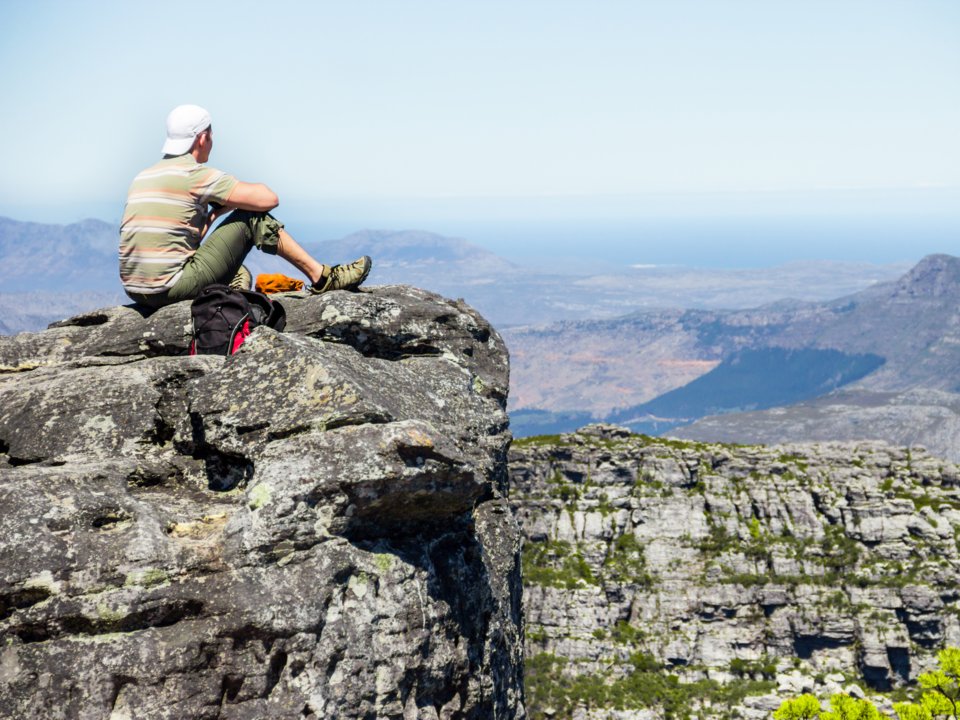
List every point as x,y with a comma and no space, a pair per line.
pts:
240,336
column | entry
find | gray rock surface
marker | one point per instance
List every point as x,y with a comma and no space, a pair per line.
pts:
315,527
769,571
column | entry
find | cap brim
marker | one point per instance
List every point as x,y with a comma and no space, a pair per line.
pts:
177,146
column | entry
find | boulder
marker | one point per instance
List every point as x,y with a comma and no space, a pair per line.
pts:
314,527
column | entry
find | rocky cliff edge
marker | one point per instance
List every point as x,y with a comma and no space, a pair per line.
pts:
666,578
314,527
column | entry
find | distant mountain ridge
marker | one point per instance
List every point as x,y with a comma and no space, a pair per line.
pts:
411,246
913,400
35,310
911,322
893,338
928,418
81,257
761,378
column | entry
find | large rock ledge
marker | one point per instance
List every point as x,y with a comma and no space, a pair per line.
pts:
314,527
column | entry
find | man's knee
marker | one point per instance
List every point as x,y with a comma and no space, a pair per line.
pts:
266,232
257,227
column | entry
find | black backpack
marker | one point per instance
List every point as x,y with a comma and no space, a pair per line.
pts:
224,317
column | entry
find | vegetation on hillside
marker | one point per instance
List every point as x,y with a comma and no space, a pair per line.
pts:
939,698
551,693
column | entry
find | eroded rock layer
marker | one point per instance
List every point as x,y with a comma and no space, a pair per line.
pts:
314,527
736,570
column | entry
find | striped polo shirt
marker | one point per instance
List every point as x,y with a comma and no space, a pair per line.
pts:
162,221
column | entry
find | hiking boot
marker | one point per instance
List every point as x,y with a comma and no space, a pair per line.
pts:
242,280
343,277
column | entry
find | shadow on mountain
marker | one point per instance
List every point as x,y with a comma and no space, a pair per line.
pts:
526,423
751,380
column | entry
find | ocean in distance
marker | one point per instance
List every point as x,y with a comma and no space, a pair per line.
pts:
723,230
722,242
588,234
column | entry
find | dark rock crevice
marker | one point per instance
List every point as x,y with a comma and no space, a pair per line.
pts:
13,600
369,418
152,614
4,370
109,518
224,470
287,432
230,688
15,461
86,320
394,349
278,662
117,683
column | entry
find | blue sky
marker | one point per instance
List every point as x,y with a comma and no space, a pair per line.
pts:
423,112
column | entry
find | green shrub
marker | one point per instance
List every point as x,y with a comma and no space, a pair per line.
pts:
555,564
626,563
765,667
644,662
624,633
717,541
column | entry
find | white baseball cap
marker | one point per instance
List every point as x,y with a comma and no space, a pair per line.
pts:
184,123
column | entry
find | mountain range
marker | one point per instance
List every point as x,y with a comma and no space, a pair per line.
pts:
72,258
60,261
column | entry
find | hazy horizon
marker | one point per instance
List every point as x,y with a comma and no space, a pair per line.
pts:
689,229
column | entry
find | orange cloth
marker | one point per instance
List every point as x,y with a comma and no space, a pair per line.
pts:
270,283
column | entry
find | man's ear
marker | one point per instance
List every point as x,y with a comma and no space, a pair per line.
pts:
201,143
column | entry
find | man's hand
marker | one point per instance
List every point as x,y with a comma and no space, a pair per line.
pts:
216,210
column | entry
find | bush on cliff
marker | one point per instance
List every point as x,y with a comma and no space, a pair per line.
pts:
940,698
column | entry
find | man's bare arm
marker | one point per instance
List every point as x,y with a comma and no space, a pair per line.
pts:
252,196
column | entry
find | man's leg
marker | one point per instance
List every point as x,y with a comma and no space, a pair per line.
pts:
322,277
291,251
243,280
220,256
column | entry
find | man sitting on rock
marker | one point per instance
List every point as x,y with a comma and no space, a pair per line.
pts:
171,205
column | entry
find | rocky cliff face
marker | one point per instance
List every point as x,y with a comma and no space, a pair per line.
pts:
314,527
662,575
